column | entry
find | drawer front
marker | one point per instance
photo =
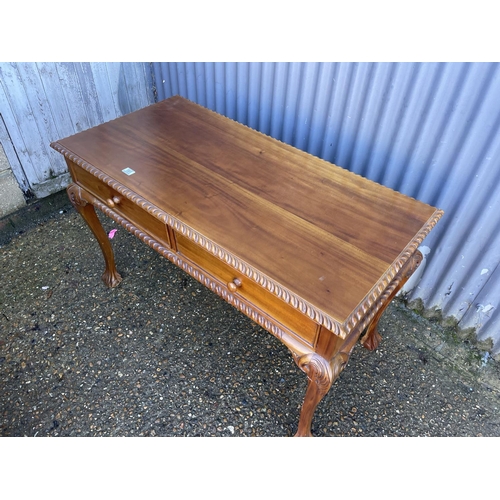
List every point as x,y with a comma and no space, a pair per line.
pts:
118,203
301,325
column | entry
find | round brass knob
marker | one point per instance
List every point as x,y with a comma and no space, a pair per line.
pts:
112,202
234,285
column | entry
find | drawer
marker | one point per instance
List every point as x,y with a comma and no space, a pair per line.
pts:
121,205
263,299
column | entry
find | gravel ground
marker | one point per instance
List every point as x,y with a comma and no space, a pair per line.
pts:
160,355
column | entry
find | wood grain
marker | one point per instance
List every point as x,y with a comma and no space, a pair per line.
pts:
323,233
309,251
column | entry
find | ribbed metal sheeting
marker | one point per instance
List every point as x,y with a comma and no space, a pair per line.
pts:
429,130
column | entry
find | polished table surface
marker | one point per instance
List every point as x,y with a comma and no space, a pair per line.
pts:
311,245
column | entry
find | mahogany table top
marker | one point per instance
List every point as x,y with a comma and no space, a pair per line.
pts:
320,237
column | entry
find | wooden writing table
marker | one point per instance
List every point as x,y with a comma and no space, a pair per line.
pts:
311,252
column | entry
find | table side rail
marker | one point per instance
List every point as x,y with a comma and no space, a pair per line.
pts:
291,339
122,205
131,206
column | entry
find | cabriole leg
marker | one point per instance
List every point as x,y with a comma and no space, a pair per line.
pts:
372,337
321,376
79,200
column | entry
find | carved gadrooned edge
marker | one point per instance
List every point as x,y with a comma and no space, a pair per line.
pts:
255,275
364,314
280,291
314,313
359,314
203,278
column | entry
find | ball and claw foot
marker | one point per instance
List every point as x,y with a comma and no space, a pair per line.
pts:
111,278
371,339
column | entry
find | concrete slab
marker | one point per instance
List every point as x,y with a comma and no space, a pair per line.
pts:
11,196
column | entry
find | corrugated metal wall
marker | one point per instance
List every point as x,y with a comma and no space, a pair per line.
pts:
429,130
42,102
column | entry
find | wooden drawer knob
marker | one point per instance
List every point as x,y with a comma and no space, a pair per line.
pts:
234,285
112,202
